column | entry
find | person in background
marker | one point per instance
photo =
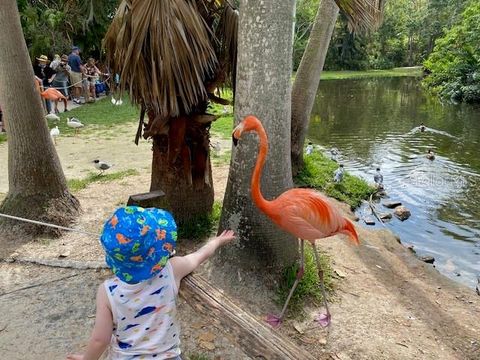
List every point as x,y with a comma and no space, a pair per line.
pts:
45,75
76,74
92,75
60,82
55,62
338,175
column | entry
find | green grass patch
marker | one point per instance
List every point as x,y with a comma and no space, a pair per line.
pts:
396,72
101,114
223,126
79,184
222,159
202,226
308,288
318,174
3,137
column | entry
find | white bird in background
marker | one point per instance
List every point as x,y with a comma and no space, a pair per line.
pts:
74,123
217,148
101,165
54,133
52,117
117,102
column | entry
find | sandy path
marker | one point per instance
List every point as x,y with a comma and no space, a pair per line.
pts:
387,305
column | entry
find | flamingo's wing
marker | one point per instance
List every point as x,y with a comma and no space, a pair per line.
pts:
306,214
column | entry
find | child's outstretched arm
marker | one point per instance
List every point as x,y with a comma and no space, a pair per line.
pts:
102,332
184,265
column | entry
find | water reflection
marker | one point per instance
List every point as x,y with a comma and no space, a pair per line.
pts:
371,121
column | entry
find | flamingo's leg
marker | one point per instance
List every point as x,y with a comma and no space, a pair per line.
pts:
276,320
323,319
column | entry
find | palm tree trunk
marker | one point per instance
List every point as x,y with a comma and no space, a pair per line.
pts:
37,185
308,77
183,171
263,89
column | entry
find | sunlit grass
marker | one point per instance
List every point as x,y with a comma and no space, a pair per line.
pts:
80,184
396,72
318,173
101,115
308,289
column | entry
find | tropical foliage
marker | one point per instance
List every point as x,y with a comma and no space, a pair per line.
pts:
405,38
455,61
53,26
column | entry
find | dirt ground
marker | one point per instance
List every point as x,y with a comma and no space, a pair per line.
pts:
387,304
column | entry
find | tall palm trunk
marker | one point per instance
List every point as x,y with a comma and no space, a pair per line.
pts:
37,185
308,77
181,168
264,66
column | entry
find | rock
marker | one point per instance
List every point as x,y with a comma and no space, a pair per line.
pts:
428,259
392,204
369,220
385,216
402,213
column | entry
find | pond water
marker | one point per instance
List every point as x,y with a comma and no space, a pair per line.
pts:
371,122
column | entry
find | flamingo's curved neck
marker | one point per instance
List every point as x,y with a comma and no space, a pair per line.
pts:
257,196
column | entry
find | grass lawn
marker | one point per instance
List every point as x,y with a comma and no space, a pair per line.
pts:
318,174
3,137
396,72
101,114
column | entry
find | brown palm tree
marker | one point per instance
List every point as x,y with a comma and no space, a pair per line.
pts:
171,56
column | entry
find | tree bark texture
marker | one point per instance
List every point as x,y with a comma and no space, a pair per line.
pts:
181,168
263,89
37,185
308,77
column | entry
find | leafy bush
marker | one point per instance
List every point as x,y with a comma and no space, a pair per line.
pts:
454,65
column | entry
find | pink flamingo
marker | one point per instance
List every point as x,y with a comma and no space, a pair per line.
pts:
52,95
304,213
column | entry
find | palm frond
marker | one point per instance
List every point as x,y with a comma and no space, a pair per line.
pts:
362,15
163,53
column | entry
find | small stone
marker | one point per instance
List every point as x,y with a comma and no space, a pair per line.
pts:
392,204
385,216
402,213
369,220
428,259
207,345
207,337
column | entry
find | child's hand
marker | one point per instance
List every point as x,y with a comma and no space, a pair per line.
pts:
74,357
225,237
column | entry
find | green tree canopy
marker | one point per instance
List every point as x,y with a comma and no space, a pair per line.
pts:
455,61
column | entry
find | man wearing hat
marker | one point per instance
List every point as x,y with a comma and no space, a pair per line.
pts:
75,63
62,75
45,74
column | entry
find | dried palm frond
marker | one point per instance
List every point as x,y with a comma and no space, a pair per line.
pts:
362,15
163,53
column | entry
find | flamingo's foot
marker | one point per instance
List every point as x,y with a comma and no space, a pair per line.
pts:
274,320
324,319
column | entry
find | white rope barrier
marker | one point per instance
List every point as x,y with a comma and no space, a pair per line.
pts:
49,225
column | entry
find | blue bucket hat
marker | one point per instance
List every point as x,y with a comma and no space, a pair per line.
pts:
138,242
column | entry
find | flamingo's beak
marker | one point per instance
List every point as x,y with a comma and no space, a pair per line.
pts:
237,132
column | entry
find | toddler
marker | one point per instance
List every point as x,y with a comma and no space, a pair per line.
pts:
136,309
